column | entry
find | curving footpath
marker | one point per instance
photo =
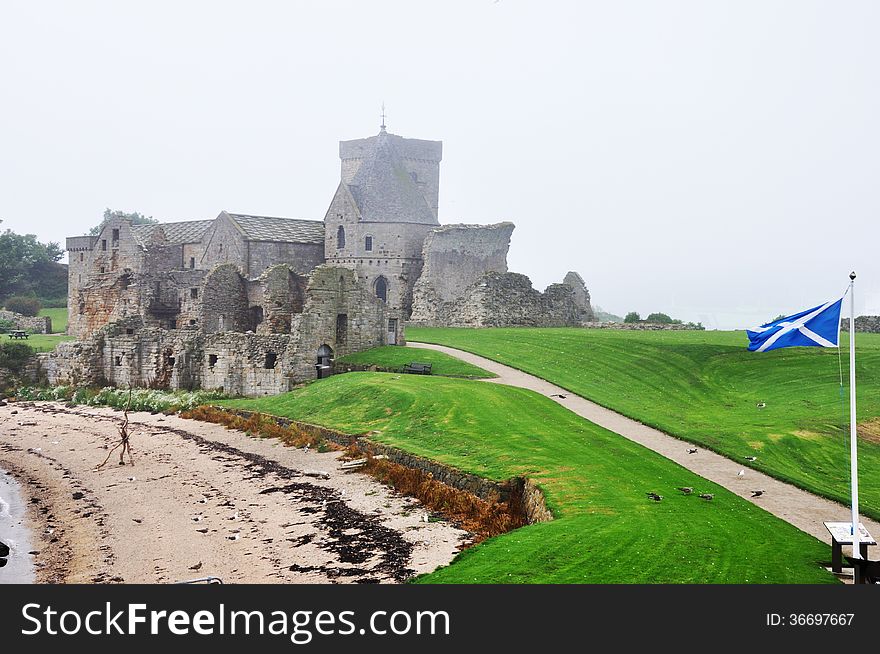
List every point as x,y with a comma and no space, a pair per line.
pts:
801,508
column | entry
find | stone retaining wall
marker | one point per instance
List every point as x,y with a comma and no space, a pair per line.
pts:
523,494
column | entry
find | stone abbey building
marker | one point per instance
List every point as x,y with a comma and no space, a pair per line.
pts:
255,304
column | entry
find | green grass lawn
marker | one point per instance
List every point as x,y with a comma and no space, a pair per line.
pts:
39,342
59,318
705,386
391,356
606,530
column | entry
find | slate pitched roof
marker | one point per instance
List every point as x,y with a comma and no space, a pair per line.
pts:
384,190
190,231
285,230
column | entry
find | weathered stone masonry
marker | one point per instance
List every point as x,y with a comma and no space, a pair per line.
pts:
253,304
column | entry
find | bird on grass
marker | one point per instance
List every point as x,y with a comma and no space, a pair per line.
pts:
761,405
757,493
654,496
706,496
751,458
692,450
687,490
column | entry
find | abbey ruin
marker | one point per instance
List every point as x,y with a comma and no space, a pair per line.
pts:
256,304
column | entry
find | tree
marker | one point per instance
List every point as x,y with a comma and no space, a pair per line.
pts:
26,306
22,258
632,316
135,218
660,319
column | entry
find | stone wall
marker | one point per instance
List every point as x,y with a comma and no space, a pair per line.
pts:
332,311
455,257
33,324
302,258
867,324
581,294
508,300
225,301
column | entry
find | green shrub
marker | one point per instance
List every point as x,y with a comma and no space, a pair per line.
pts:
6,326
632,316
26,306
142,399
661,319
14,356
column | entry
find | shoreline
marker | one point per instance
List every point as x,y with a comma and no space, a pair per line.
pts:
203,500
18,564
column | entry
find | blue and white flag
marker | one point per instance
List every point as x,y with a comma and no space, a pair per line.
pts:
816,327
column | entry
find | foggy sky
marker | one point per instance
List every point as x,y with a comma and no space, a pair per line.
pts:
717,161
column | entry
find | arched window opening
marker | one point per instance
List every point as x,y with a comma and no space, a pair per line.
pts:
340,238
382,289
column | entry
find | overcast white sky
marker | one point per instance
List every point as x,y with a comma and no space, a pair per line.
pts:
714,160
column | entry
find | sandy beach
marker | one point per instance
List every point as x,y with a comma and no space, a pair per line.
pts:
201,500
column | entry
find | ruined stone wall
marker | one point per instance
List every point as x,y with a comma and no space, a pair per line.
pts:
247,364
225,301
455,257
581,294
301,257
508,300
107,297
279,292
333,292
33,324
332,309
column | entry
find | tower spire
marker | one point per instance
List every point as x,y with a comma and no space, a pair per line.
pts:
382,126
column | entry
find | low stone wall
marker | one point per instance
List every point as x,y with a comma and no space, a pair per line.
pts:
866,324
33,324
636,326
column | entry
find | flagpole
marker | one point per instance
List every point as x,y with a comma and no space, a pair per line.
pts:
853,456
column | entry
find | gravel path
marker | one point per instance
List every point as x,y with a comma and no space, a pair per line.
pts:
203,500
801,508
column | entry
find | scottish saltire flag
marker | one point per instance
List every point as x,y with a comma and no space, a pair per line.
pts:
816,327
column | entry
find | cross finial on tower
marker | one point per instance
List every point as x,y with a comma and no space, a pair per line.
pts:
383,117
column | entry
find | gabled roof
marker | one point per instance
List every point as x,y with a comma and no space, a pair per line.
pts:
285,230
190,231
384,190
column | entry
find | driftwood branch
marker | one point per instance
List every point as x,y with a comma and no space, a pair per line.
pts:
124,441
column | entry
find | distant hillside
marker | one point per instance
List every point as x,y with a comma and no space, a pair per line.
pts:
604,316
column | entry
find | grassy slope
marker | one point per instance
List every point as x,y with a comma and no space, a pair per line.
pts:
606,530
704,387
391,356
59,318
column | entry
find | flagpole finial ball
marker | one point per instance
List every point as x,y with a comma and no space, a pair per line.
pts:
852,275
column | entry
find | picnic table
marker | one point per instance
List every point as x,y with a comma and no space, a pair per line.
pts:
841,535
415,368
18,333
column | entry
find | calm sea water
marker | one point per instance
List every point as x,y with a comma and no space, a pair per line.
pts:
14,532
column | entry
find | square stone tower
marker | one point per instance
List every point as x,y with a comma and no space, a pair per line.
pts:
384,207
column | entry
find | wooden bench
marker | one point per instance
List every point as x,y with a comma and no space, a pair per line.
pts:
416,368
19,333
840,535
